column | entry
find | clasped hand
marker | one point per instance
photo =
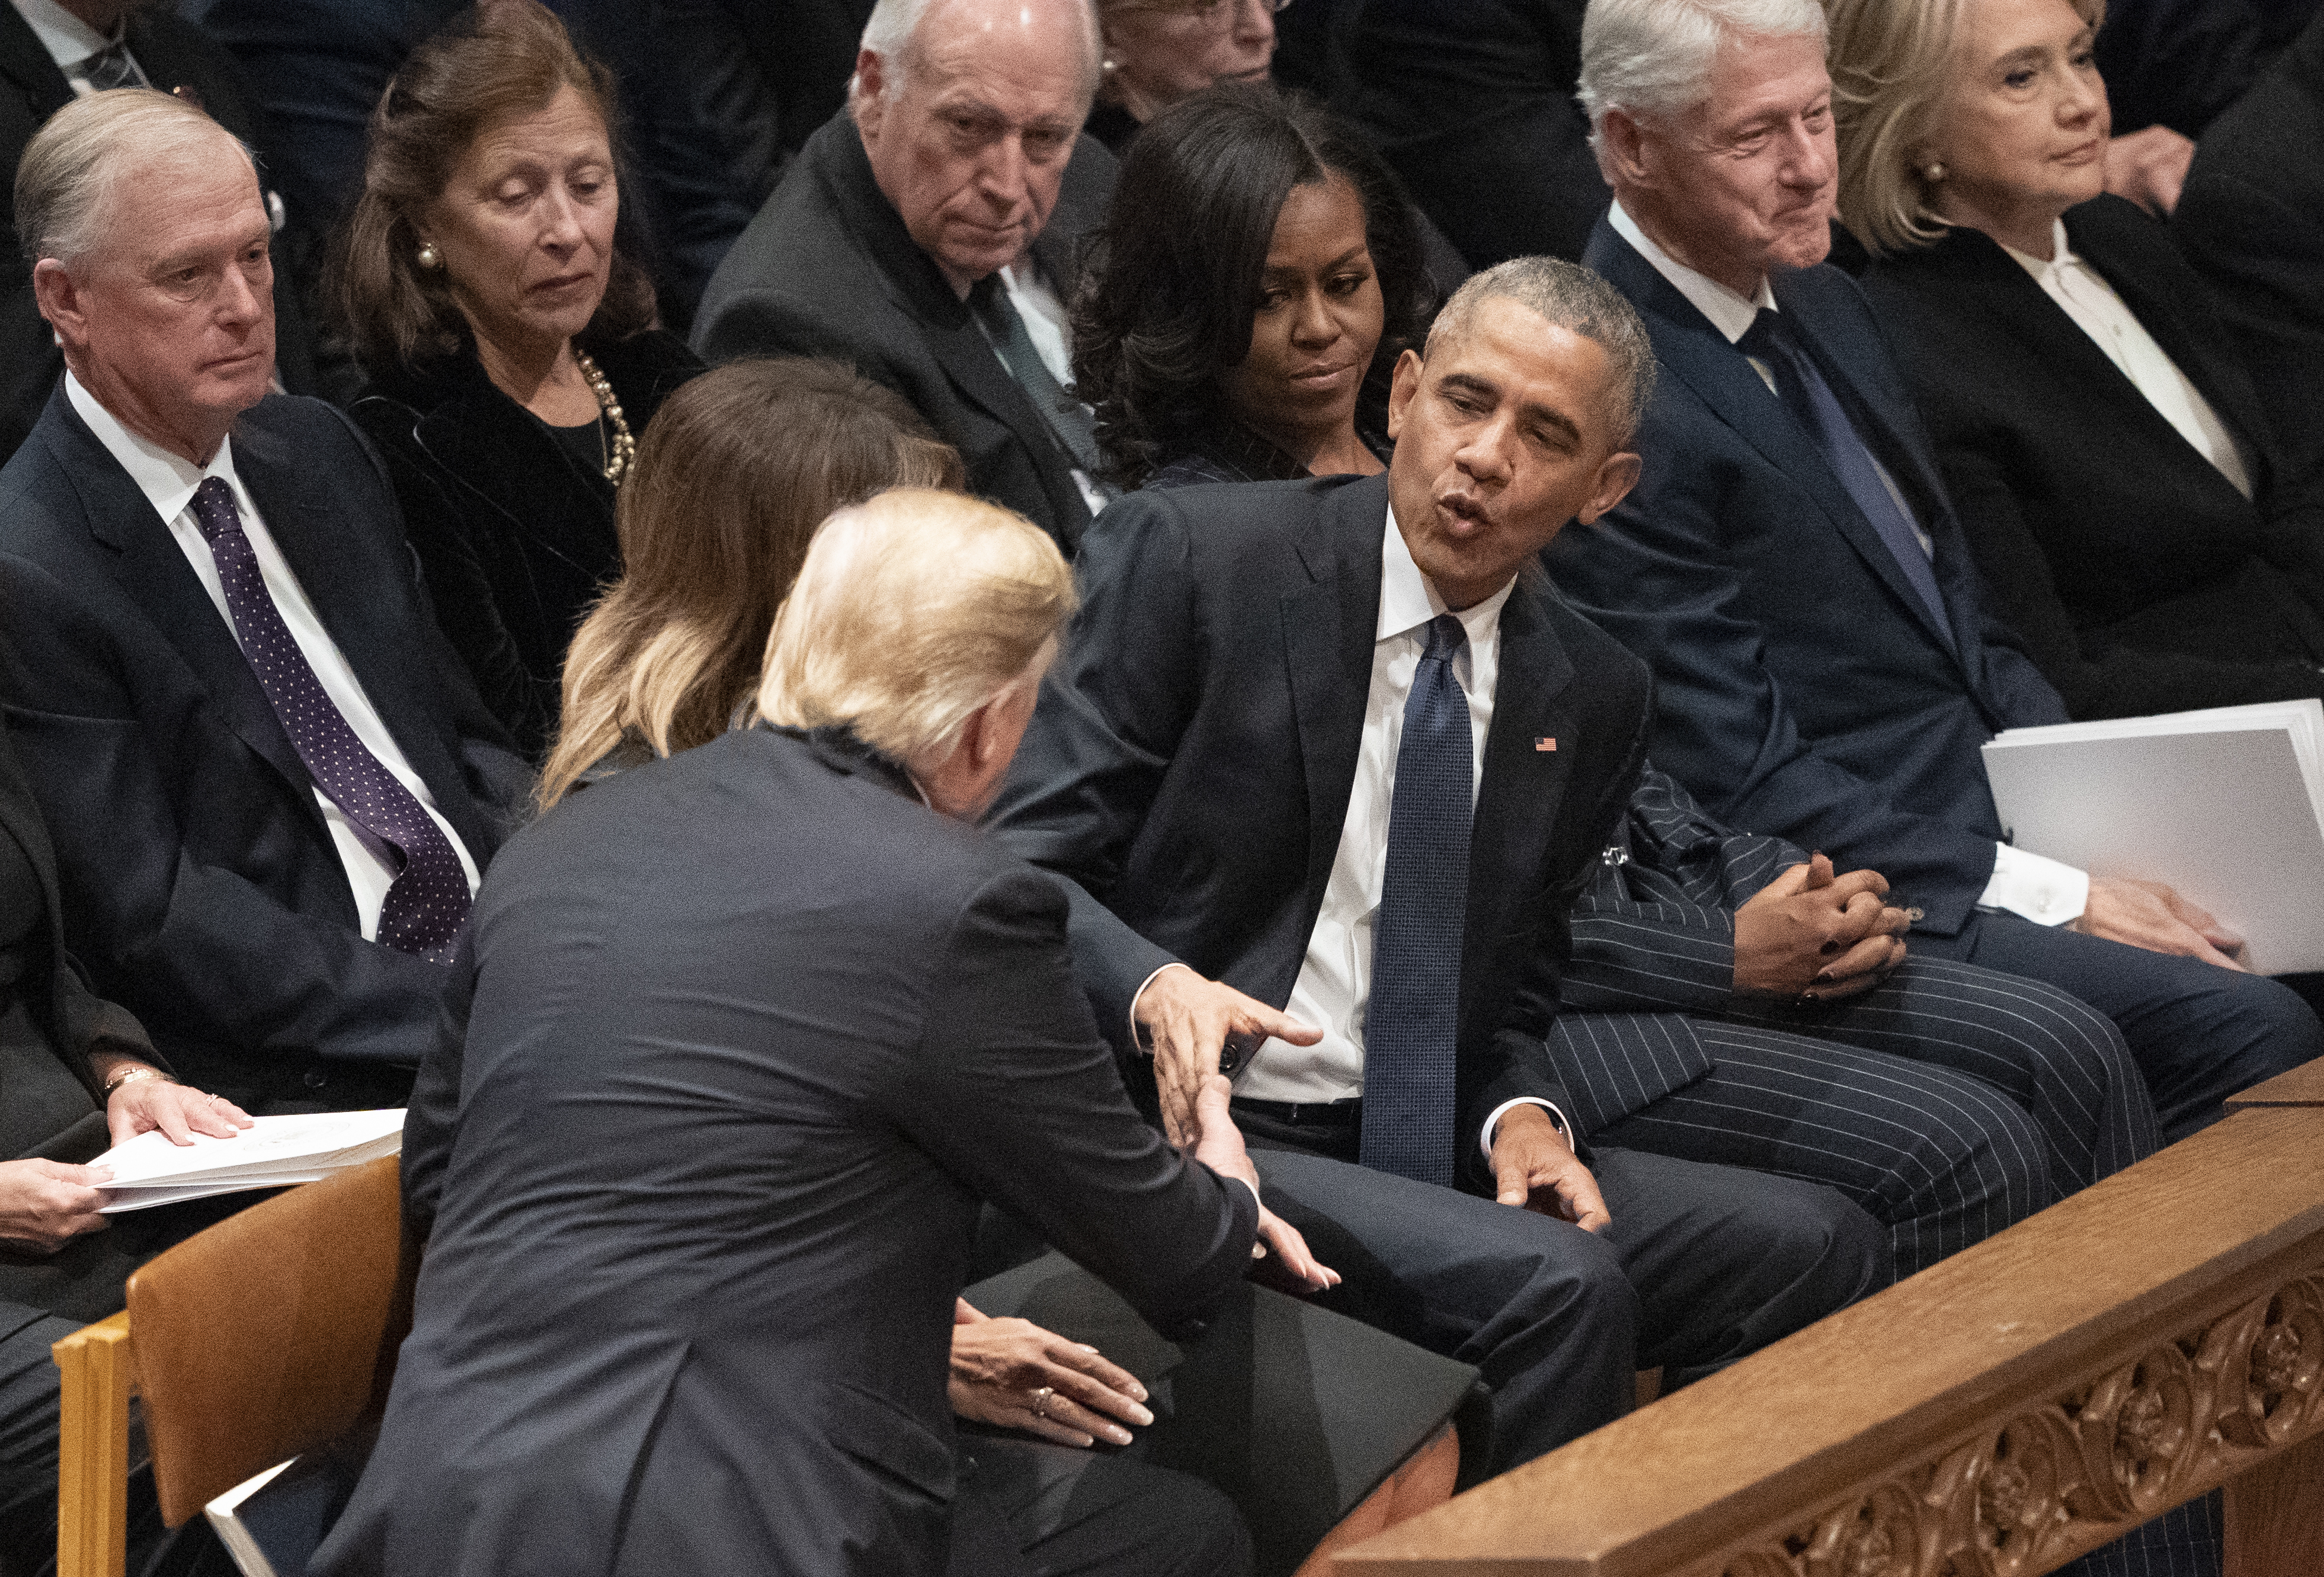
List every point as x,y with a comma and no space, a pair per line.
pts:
1813,936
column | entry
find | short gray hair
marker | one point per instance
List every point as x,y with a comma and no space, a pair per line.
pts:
1570,297
1655,57
65,181
888,34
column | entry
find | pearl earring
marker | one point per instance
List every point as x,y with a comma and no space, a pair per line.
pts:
428,257
1934,171
1108,66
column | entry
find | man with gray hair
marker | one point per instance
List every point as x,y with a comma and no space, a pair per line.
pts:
927,236
269,785
1322,767
1794,571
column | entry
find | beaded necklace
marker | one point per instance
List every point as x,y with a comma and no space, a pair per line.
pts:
624,446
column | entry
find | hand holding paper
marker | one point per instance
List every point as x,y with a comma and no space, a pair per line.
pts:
269,1152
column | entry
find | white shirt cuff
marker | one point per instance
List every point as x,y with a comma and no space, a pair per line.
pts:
2046,891
1137,1039
1494,1121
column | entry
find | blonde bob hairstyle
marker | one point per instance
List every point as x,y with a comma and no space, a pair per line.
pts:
913,610
1890,65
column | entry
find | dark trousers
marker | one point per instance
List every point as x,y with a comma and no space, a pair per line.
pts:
1029,1508
1702,1265
1949,1101
2198,1033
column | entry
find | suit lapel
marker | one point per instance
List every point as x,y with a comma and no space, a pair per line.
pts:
1694,352
152,568
1517,802
1329,629
25,60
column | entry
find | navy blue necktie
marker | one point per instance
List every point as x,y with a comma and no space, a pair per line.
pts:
1818,411
429,898
1412,1018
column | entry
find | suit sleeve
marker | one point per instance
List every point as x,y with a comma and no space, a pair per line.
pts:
1724,725
1015,1094
192,947
432,1118
1112,714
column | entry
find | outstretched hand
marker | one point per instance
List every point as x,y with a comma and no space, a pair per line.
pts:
178,1110
2150,915
1536,1169
1810,934
1219,1146
1187,1020
1014,1375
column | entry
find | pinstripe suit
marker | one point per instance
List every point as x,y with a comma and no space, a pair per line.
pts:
1948,1100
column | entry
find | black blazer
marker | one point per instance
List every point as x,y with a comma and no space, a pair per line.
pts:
174,54
2142,580
1188,768
740,1040
828,269
2252,223
1803,689
199,879
516,538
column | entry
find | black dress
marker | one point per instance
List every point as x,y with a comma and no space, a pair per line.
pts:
514,532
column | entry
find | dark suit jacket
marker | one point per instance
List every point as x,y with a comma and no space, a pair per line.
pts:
740,1039
828,269
2180,64
173,53
1189,766
199,878
1801,689
516,538
1472,102
2142,580
2252,223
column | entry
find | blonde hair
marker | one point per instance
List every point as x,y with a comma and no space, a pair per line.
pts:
65,179
1890,63
912,611
733,476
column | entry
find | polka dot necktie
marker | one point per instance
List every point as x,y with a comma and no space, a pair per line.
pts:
1413,1019
428,900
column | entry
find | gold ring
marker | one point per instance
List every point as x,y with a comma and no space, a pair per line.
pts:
1041,1399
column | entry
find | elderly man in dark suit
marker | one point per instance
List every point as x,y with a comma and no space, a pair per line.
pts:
1324,772
926,235
53,51
269,786
1792,568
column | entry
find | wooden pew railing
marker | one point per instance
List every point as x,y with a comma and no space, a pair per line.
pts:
1996,1416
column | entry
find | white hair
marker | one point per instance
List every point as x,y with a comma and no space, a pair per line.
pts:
1655,57
65,181
888,35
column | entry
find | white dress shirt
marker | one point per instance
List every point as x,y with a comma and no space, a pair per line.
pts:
1047,325
2047,892
169,483
2084,295
1334,984
70,41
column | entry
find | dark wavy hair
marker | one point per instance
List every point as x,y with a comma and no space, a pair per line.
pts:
1171,283
490,64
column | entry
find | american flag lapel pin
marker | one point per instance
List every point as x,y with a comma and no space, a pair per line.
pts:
1546,742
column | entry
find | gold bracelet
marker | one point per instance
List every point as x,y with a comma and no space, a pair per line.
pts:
131,1074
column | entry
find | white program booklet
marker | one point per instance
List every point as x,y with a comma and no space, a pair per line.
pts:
2226,804
273,1153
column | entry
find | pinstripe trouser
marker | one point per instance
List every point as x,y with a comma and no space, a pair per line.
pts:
1950,1101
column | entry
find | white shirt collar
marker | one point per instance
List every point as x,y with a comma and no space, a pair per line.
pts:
69,40
167,480
2061,255
1407,602
1729,313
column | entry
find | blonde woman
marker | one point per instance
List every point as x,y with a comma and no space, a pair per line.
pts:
732,478
2100,436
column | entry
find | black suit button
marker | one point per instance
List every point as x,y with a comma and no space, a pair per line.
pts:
315,1078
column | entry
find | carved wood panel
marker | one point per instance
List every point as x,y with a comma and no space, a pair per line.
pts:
2064,1477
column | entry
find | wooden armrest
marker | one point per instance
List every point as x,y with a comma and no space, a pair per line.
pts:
99,1374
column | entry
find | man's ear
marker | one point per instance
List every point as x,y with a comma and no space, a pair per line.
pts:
61,301
1616,477
869,100
1402,387
1624,141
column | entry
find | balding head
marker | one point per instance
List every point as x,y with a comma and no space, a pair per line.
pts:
969,109
168,321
